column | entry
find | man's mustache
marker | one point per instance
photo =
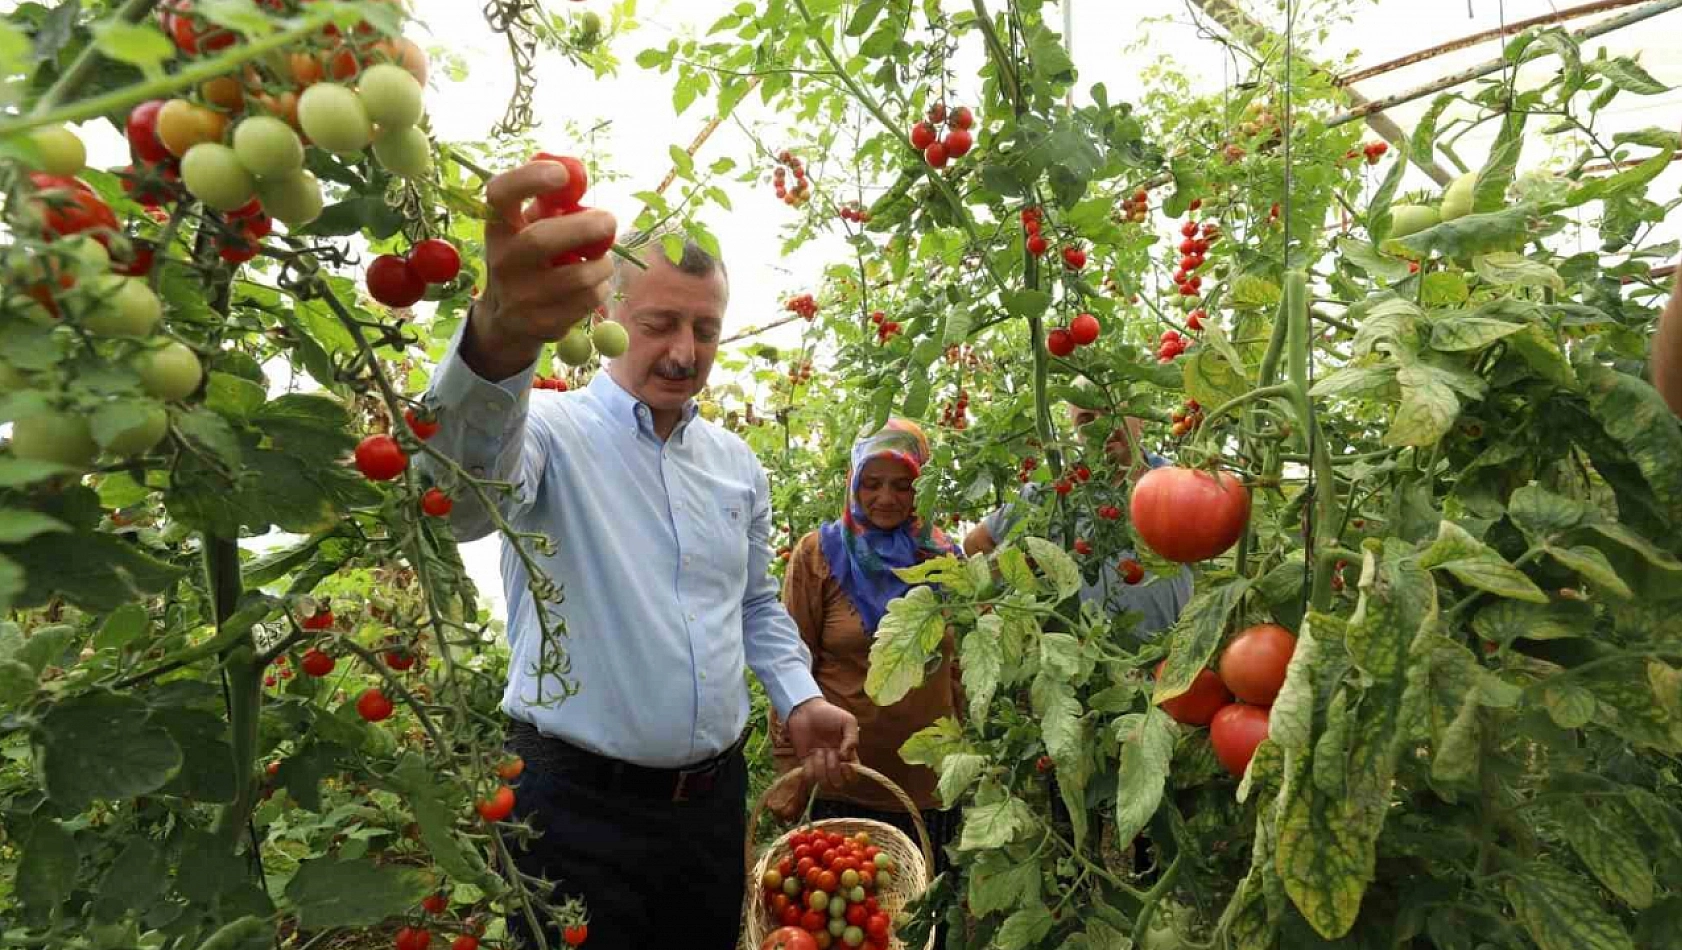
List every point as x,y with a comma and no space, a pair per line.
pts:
674,372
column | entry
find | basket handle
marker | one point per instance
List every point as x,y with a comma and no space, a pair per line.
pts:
870,773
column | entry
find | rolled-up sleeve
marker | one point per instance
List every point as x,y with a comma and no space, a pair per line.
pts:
771,641
483,428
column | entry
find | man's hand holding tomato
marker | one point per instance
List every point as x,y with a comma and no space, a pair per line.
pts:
528,301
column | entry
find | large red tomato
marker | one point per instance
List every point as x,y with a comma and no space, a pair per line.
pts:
68,206
1235,732
1187,514
1198,704
789,938
1253,664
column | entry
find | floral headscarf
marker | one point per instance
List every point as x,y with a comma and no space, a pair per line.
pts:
862,557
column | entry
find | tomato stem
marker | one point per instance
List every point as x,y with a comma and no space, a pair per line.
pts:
123,99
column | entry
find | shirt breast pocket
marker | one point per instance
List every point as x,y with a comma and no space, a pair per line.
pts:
731,521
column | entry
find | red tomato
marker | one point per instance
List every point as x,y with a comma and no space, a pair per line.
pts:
413,938
400,659
321,620
569,195
465,942
805,864
826,881
1084,328
785,867
423,428
436,261
575,934
1235,733
511,769
1189,515
814,920
1253,664
802,851
68,206
1130,570
1197,705
922,136
317,663
857,915
142,131
379,458
499,806
789,938
436,503
829,855
373,705
791,917
435,903
877,927
1060,342
393,282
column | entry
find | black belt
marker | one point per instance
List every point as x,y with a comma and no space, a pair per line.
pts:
608,774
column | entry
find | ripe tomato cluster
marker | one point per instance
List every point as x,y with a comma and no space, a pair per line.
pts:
1187,419
955,415
957,141
852,212
1131,570
400,281
1135,207
555,383
1236,698
788,162
803,306
1033,239
567,200
825,890
1171,344
1194,245
1025,470
885,328
1081,331
1371,151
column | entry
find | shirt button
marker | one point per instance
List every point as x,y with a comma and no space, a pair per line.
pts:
687,559
691,616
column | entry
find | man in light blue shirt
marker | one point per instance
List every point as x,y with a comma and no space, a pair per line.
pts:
661,522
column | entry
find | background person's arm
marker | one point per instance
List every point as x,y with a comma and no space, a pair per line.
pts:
1666,357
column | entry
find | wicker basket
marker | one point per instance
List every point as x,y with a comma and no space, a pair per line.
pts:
914,862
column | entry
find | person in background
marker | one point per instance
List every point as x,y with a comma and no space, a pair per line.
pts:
1665,361
839,581
636,786
1158,599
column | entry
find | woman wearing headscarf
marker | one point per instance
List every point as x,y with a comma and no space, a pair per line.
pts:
838,584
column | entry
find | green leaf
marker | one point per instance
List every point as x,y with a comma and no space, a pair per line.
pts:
1613,855
1252,292
1457,755
1428,408
46,646
997,883
1378,210
1628,180
981,659
18,526
232,396
1628,75
1442,288
332,893
1478,565
202,738
1362,255
1592,564
1505,621
122,627
1024,928
1056,564
1561,912
1635,415
1425,133
1654,555
1213,375
994,825
898,658
1457,333
1544,356
138,44
136,879
1570,706
17,473
46,874
1196,635
957,774
1496,175
1026,303
1507,269
1331,751
931,745
1356,382
211,432
1471,234
435,811
102,745
1147,746
97,572
1013,567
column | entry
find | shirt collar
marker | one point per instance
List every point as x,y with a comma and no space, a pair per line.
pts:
623,407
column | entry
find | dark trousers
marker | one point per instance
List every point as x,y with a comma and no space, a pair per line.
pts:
646,867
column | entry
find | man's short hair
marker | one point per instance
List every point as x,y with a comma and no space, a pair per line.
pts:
695,261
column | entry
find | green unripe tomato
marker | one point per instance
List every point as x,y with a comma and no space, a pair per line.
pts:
61,152
268,148
405,151
609,338
169,372
122,306
575,349
213,174
1411,219
391,96
55,436
335,118
1457,199
143,435
294,200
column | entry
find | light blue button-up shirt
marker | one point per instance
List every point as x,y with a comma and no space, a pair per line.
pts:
662,552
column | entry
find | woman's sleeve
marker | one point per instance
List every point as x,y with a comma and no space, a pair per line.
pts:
803,592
